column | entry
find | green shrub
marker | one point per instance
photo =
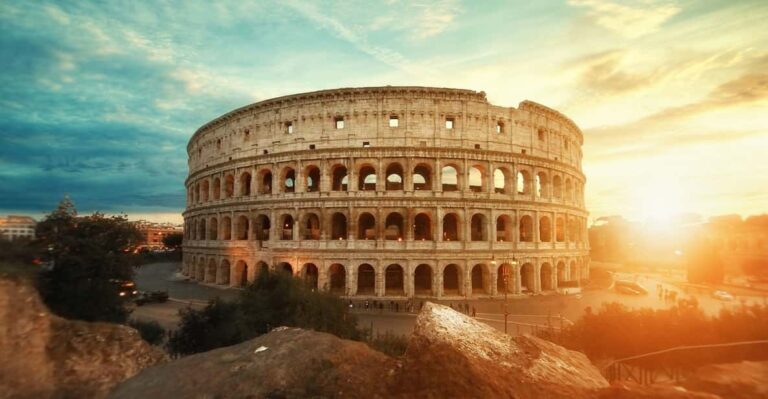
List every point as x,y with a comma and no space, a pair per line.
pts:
150,331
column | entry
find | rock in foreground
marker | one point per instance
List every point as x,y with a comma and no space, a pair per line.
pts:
45,356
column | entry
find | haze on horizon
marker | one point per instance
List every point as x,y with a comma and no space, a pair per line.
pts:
98,101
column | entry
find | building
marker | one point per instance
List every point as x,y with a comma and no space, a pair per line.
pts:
153,233
389,192
13,227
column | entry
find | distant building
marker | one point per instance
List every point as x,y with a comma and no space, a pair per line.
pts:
742,244
153,233
14,227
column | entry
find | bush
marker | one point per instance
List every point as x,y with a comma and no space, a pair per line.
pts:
150,331
389,343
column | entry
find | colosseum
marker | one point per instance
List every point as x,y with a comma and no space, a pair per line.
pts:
389,192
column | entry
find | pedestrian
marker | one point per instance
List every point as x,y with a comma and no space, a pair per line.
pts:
474,312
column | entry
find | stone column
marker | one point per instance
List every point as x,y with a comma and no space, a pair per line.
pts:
351,176
518,283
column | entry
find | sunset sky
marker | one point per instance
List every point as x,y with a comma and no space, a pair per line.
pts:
99,101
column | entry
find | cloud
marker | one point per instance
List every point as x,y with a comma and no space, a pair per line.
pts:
629,20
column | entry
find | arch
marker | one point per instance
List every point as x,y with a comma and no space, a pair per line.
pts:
265,180
574,271
542,185
340,178
478,228
573,228
422,227
338,278
262,227
500,181
557,186
312,179
197,192
449,178
545,276
561,272
366,226
245,184
216,188
226,228
205,190
200,271
545,229
504,228
229,186
201,230
394,179
285,267
394,227
213,229
310,275
394,282
480,279
210,271
560,229
262,267
526,229
422,280
289,180
527,278
505,279
241,273
476,179
366,279
523,182
367,178
286,227
338,226
311,226
452,280
223,275
422,177
451,227
242,227
568,190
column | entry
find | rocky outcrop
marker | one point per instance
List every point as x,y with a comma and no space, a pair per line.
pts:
45,356
285,363
744,380
626,390
452,355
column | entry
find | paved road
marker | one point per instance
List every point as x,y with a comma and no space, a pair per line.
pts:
165,277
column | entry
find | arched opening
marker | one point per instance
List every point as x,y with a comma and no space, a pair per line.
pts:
475,179
210,271
311,227
451,227
394,283
449,178
229,186
241,273
366,280
201,230
478,231
262,228
338,277
367,179
574,272
226,228
340,178
542,185
523,182
242,227
422,227
394,174
213,229
480,279
245,184
526,229
266,182
572,229
289,180
451,280
499,181
286,231
545,229
310,275
545,276
422,280
338,226
313,179
568,190
394,227
223,275
200,272
557,187
217,188
504,228
366,227
262,268
422,177
527,278
561,273
560,229
505,279
204,188
285,267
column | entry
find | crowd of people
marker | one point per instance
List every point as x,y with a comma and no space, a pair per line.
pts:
405,306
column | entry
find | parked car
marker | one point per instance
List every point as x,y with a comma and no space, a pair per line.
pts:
630,287
151,297
126,288
722,295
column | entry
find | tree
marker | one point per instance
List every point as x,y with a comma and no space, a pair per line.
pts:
173,240
90,255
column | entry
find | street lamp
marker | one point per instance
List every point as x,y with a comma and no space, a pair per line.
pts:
505,275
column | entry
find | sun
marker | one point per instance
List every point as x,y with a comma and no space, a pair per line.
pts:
660,201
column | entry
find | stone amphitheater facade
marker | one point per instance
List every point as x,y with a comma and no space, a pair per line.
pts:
389,192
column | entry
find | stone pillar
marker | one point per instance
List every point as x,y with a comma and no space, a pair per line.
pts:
408,175
437,282
381,176
299,186
379,285
518,283
351,176
437,181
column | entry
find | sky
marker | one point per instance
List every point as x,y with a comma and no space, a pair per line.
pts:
99,100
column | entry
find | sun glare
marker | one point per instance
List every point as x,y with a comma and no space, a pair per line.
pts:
660,201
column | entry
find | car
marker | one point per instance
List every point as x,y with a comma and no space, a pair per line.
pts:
125,288
630,287
722,295
151,297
